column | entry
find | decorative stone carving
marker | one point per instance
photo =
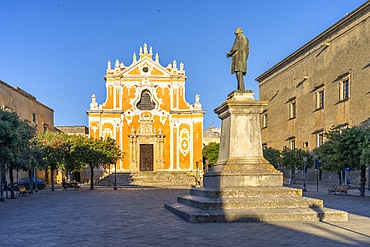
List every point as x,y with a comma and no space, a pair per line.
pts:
184,141
93,104
197,104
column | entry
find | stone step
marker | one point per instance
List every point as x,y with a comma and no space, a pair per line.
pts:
243,192
157,179
207,203
257,214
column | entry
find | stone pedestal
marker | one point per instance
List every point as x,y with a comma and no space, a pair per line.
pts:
242,185
240,162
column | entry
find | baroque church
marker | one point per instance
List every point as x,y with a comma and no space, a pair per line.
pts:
146,112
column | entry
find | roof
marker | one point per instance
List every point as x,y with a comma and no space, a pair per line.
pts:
322,37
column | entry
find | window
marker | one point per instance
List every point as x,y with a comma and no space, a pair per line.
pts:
292,109
146,103
342,127
292,144
265,120
6,108
320,99
34,118
305,145
344,88
319,138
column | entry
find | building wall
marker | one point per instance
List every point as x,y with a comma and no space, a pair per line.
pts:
145,105
27,107
325,63
211,135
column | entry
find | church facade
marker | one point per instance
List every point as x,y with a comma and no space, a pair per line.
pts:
147,114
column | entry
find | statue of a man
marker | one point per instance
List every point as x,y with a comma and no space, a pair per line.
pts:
239,52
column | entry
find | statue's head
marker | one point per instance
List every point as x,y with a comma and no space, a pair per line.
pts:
238,30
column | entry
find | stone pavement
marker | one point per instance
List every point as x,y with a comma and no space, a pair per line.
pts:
135,216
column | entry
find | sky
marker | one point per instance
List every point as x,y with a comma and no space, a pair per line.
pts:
57,50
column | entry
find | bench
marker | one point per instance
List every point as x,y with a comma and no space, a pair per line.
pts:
70,185
23,191
342,190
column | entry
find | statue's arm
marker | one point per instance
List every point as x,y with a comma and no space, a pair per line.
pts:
233,49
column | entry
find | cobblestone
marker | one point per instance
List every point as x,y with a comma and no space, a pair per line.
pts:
135,216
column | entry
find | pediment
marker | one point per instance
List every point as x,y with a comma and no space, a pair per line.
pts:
146,67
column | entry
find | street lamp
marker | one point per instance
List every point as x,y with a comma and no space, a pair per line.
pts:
36,184
197,174
305,173
115,176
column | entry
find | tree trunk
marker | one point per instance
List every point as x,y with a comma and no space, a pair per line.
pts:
30,180
11,178
340,177
91,177
52,177
292,172
46,175
362,181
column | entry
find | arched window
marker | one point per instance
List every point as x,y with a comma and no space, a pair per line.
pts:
145,103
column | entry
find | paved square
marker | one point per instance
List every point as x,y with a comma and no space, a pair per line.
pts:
135,216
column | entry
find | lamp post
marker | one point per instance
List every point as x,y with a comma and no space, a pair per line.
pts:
36,184
2,176
115,176
305,173
197,174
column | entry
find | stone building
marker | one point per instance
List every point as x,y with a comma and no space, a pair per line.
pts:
74,130
324,84
28,108
211,135
145,111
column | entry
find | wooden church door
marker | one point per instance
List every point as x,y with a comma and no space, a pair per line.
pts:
146,157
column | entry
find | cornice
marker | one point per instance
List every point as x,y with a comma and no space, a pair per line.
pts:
321,38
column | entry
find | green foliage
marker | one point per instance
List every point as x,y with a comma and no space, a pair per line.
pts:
210,152
365,148
273,156
293,159
54,147
345,148
16,138
26,154
16,149
9,137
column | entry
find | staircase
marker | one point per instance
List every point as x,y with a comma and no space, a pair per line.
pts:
252,204
156,179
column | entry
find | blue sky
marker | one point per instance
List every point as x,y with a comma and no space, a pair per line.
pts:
57,50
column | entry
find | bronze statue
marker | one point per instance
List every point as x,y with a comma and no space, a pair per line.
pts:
239,52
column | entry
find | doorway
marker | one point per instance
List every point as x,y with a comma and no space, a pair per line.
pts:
146,157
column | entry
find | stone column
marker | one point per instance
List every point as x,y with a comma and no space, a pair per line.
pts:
241,162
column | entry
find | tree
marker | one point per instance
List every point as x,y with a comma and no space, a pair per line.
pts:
210,152
273,156
293,159
73,161
25,153
9,139
55,148
346,148
15,145
95,152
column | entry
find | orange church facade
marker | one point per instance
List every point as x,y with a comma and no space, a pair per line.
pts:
145,111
